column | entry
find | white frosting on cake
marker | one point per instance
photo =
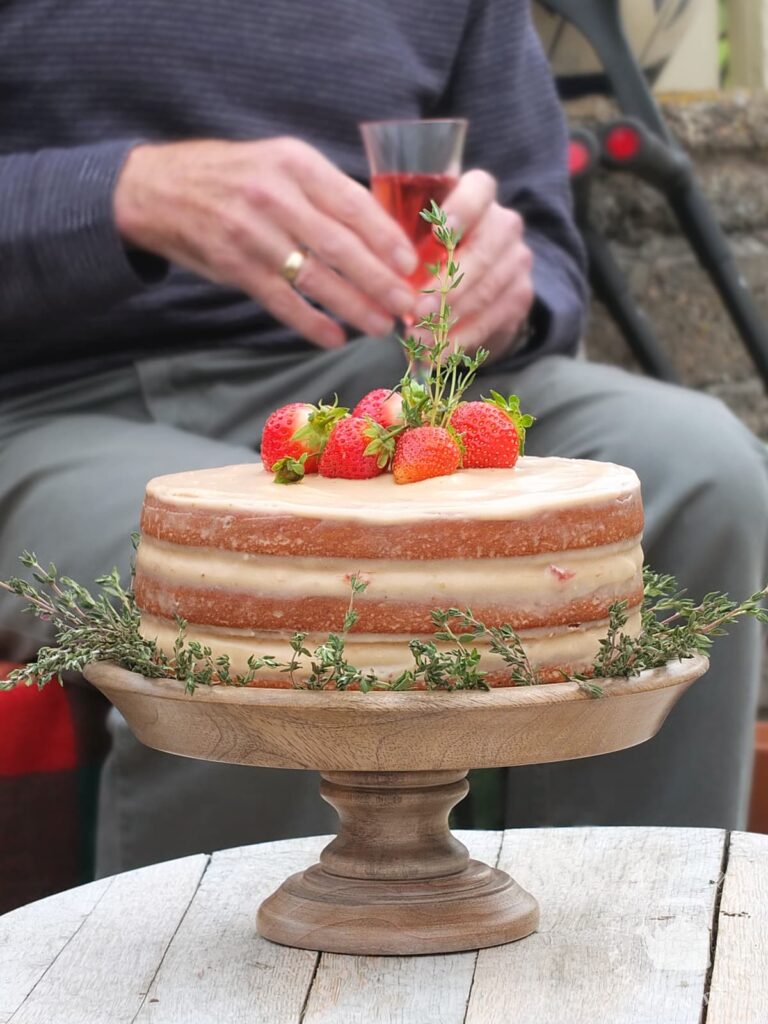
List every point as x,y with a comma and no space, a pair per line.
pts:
533,487
529,581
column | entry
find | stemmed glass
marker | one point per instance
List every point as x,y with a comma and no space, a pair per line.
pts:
412,163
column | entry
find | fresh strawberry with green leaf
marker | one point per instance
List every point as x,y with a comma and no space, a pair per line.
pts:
297,433
491,438
425,452
424,428
345,453
383,405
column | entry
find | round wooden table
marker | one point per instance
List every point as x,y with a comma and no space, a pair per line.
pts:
647,925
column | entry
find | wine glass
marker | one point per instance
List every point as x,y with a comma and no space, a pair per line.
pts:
412,163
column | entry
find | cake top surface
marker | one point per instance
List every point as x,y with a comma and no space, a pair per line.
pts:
534,486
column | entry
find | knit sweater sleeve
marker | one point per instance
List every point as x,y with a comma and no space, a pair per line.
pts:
503,85
59,248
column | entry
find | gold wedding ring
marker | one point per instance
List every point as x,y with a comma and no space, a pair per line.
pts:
294,261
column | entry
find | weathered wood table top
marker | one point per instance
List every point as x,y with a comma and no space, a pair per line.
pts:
652,926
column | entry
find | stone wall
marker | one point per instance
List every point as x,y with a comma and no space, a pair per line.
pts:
726,135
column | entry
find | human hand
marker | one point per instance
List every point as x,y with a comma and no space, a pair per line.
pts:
233,211
496,292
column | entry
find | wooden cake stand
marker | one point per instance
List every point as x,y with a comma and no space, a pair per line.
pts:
395,880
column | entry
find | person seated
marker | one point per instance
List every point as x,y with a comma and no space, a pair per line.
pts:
159,165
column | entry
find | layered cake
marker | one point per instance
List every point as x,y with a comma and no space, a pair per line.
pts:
545,547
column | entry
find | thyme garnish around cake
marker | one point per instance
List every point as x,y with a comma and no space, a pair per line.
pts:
105,627
422,427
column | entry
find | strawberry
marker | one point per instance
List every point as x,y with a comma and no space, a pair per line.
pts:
424,452
294,437
492,432
383,405
345,453
490,438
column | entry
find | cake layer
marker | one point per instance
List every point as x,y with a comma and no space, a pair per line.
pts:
555,652
236,589
543,505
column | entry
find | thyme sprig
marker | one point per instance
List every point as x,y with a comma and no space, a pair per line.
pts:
502,641
431,399
106,627
329,668
450,372
674,626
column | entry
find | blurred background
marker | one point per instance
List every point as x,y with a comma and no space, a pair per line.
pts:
706,62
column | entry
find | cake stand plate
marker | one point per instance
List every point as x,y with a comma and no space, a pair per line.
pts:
395,880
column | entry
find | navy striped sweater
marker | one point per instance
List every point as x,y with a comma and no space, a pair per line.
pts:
81,81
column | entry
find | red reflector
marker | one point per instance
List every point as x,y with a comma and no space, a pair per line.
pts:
623,143
578,157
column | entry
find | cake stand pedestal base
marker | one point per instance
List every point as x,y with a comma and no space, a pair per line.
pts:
394,764
395,880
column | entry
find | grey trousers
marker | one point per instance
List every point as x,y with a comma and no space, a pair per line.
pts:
73,464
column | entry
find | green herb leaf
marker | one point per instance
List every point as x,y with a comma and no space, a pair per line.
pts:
511,406
383,441
321,421
288,470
